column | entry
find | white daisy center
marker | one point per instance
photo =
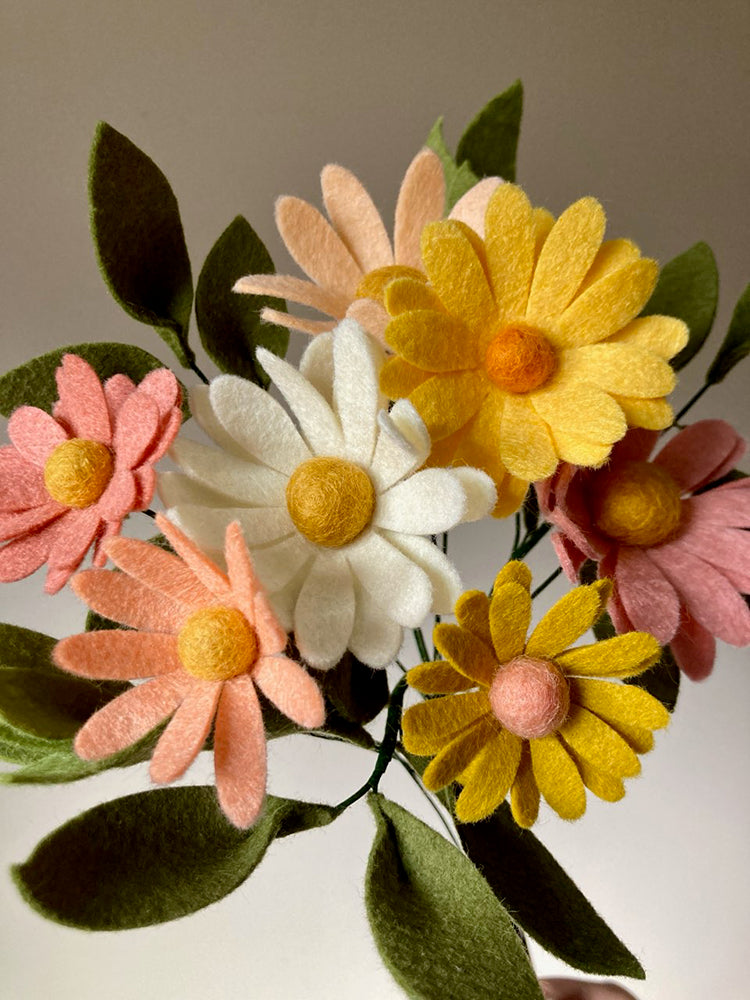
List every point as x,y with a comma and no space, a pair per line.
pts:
638,504
520,358
217,643
530,697
77,472
330,500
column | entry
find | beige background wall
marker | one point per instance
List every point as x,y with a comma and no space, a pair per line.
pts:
645,105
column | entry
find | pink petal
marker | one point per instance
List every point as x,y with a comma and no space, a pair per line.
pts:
421,199
135,429
117,654
240,752
75,533
728,549
563,502
165,435
24,556
316,247
184,737
160,571
24,521
116,391
306,293
472,206
145,484
35,434
273,638
571,558
311,326
291,689
355,218
647,596
162,387
111,529
125,600
130,716
82,404
371,316
701,453
119,497
636,446
21,483
694,648
726,506
207,572
242,579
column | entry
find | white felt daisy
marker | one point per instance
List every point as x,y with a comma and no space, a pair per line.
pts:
334,507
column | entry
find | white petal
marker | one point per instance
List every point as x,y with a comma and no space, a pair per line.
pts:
317,421
174,489
260,525
408,422
375,639
357,361
429,501
446,583
324,614
316,364
400,587
394,456
200,407
481,494
236,478
258,423
276,565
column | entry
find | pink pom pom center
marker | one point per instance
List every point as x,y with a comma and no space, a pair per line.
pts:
530,697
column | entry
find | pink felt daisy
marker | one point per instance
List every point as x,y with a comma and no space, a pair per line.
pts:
680,560
69,479
349,257
207,639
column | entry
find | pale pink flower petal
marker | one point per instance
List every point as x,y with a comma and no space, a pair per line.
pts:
240,752
163,388
160,571
76,531
636,446
724,548
355,218
371,316
291,689
21,483
136,427
694,648
186,734
316,247
570,556
116,391
701,453
145,485
723,507
82,404
119,498
648,597
23,556
421,199
35,434
117,654
21,522
123,599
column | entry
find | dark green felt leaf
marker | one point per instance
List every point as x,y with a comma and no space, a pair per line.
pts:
152,857
356,691
438,926
138,236
458,179
736,344
490,143
542,898
33,383
22,647
688,288
229,323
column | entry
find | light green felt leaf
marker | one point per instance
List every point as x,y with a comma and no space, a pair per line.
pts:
542,898
33,383
736,344
229,323
138,236
458,179
688,288
490,143
152,857
22,647
437,924
17,747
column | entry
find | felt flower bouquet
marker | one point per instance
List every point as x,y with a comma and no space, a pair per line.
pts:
485,360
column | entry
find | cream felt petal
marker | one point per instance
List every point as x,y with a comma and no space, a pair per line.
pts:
136,426
720,507
472,613
568,252
175,489
114,654
82,401
433,340
375,639
240,752
438,677
694,648
488,779
442,574
457,755
581,409
203,413
401,588
186,733
579,450
285,286
420,200
291,689
120,598
479,490
466,653
235,478
20,522
357,359
316,247
278,564
25,555
355,218
35,434
525,444
648,598
697,454
446,402
22,483
599,744
324,613
611,255
568,619
651,414
312,326
402,445
206,525
621,656
428,724
316,364
405,294
398,378
457,274
509,244
158,570
472,206
510,614
557,777
428,502
662,335
116,391
621,368
119,498
209,575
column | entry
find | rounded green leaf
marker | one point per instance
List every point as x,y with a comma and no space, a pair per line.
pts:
17,747
23,647
736,344
51,705
490,142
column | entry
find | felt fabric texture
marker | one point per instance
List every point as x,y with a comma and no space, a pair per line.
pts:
546,731
70,478
163,595
335,507
684,586
529,349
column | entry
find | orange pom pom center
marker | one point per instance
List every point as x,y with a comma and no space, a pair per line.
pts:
375,282
331,501
638,504
520,358
77,472
530,697
217,643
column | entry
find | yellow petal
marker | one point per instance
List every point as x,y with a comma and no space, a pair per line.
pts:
459,754
524,795
488,778
469,655
514,572
437,678
451,254
663,335
433,341
510,614
621,704
479,444
568,619
620,368
510,495
580,451
603,785
621,656
557,777
612,255
509,240
542,222
653,414
429,725
447,402
399,379
473,613
526,446
443,452
581,409
599,744
404,294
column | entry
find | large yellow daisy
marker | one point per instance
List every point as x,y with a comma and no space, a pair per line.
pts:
523,349
527,717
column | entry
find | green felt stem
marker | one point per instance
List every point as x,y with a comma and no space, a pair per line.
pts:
204,379
691,402
545,583
530,541
433,802
421,646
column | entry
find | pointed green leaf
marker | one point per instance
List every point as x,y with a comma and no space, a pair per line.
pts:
53,706
33,383
22,647
458,179
438,927
490,143
736,344
688,288
356,691
542,898
229,323
17,747
152,857
139,241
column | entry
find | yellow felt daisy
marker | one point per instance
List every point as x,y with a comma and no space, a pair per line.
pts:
523,349
529,716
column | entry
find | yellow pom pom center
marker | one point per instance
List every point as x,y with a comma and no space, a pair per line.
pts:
638,504
331,501
374,283
77,472
530,697
520,358
217,643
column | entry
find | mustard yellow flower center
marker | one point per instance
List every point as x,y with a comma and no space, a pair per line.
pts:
374,283
330,501
638,504
520,358
530,697
77,472
217,643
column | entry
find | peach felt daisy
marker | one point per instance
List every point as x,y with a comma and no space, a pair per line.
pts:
349,256
207,639
528,716
523,349
335,508
680,561
69,479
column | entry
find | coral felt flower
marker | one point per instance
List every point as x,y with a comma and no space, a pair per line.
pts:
70,479
349,256
529,716
680,562
524,348
207,639
334,510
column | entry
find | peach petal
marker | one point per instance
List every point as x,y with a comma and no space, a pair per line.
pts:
355,218
421,199
371,316
117,654
311,326
727,549
122,599
285,286
186,734
207,572
116,391
273,638
82,402
160,571
162,387
648,598
135,430
119,498
242,579
240,752
471,207
291,689
316,247
700,453
722,507
24,521
35,434
23,556
76,531
21,483
694,648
